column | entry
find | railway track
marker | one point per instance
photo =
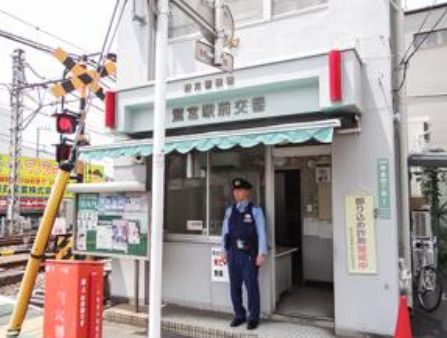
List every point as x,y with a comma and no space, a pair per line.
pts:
12,268
17,240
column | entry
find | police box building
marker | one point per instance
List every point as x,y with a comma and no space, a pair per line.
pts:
305,117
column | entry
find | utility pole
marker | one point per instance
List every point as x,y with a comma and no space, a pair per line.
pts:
209,15
158,170
15,145
401,140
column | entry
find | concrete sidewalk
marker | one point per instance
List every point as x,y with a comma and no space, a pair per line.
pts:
33,325
206,324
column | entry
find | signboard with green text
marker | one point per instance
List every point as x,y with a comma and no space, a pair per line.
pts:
112,224
383,185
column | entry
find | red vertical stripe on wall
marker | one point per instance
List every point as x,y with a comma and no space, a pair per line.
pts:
110,110
335,76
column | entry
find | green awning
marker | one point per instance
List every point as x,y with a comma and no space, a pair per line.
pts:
320,131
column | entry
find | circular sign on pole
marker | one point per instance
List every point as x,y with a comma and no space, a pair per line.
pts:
228,25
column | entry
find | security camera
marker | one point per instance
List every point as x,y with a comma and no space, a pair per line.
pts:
139,159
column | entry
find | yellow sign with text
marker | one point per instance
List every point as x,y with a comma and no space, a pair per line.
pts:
35,179
36,176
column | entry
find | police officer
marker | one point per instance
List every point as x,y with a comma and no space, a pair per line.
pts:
245,250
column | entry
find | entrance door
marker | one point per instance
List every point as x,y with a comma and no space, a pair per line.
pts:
303,257
288,219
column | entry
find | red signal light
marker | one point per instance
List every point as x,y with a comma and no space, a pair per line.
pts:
66,123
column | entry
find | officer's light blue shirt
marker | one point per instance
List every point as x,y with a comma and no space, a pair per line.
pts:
260,226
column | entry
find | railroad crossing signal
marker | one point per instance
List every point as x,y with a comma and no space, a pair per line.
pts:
82,77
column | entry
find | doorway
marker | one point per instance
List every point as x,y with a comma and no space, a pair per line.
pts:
303,257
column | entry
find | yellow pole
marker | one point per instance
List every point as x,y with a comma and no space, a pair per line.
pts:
37,252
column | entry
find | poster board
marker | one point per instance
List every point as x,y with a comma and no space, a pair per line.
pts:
112,224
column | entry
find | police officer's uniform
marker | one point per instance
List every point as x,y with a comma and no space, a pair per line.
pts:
244,239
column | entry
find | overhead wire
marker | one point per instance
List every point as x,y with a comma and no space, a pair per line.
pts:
25,41
109,28
406,61
43,78
429,13
54,36
107,45
39,46
118,24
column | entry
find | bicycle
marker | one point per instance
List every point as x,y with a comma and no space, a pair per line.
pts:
427,282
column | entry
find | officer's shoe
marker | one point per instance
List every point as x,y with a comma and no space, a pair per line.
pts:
237,322
252,324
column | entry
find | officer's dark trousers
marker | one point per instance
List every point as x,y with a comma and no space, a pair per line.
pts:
243,269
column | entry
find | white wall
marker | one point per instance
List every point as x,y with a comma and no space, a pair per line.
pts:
427,80
338,24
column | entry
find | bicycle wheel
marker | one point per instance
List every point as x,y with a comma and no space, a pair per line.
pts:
429,289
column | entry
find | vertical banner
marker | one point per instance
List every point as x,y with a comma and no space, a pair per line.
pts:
219,270
383,184
360,234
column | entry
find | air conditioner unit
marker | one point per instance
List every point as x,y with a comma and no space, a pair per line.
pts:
421,221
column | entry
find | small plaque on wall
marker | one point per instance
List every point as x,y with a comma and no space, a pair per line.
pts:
323,174
194,225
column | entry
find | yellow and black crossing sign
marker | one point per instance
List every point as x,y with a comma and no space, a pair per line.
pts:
82,77
64,247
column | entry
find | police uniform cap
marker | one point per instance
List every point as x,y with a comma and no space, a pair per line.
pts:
240,183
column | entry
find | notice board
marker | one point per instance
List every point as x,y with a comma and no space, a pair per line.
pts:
112,224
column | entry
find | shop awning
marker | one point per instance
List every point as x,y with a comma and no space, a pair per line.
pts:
320,131
428,159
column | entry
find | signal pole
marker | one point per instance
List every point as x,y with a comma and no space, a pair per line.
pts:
15,144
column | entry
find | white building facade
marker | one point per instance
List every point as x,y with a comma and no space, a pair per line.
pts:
307,117
426,83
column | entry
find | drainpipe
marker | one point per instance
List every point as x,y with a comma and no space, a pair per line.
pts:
401,146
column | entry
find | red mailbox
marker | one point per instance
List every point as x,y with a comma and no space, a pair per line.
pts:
73,299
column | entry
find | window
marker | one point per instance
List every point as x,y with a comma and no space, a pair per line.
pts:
430,39
227,165
243,11
285,6
187,187
185,193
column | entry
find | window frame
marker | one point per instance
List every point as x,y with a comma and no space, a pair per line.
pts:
436,34
298,12
205,236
